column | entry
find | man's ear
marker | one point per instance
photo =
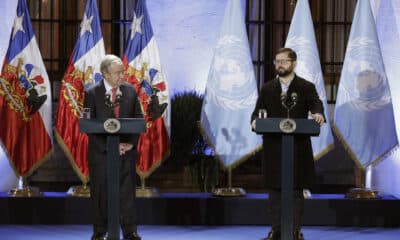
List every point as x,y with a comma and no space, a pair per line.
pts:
106,75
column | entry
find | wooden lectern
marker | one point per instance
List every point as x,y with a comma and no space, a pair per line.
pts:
288,128
112,128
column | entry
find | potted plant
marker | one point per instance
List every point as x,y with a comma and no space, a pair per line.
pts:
188,147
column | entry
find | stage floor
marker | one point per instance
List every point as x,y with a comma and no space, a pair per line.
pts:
153,232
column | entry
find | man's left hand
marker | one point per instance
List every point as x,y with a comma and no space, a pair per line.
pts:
124,147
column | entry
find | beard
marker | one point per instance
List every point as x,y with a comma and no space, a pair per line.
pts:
284,72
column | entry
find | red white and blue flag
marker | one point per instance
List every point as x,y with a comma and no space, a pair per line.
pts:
82,72
143,68
25,99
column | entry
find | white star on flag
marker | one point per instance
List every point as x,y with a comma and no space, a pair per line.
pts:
86,25
18,25
135,27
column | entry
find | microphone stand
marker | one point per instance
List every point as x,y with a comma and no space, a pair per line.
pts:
293,101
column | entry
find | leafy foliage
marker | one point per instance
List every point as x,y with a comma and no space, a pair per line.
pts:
188,147
185,133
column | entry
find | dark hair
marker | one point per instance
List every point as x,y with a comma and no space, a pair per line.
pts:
290,52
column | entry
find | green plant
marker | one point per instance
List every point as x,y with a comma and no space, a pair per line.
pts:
205,172
188,146
185,113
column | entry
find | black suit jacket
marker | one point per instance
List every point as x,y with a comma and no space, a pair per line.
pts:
129,108
308,100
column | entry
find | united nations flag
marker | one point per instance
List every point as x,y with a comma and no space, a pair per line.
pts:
231,93
364,119
301,38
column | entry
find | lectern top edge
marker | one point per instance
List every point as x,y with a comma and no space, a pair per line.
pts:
296,126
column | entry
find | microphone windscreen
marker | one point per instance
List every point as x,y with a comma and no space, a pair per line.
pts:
283,96
294,97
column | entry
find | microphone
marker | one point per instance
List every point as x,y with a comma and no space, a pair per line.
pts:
283,97
294,97
289,103
107,99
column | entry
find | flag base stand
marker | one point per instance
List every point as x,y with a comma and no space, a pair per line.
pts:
79,191
26,191
307,193
362,193
23,190
229,192
147,192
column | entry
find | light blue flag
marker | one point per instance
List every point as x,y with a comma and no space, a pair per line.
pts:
364,119
231,93
388,28
301,38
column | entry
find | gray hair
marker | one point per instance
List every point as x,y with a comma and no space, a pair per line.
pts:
107,61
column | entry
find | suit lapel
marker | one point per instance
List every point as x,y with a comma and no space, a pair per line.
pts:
122,102
293,86
126,102
277,88
100,99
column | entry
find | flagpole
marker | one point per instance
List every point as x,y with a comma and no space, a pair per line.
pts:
364,191
229,191
229,178
23,190
146,192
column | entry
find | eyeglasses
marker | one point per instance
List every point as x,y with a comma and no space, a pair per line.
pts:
282,61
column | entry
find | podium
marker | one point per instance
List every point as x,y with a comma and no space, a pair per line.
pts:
288,128
112,128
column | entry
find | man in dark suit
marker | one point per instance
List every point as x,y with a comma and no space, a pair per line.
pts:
113,97
308,104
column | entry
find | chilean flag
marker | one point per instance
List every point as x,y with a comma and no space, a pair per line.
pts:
82,72
143,68
25,99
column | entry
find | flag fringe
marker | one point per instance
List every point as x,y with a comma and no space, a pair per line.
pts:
235,163
386,155
324,151
144,175
63,146
34,166
353,155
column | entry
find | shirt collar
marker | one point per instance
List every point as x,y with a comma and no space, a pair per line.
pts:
109,87
285,87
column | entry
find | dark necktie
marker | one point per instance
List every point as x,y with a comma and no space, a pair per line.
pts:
113,98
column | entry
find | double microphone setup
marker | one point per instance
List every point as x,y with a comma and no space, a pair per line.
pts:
108,99
288,102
